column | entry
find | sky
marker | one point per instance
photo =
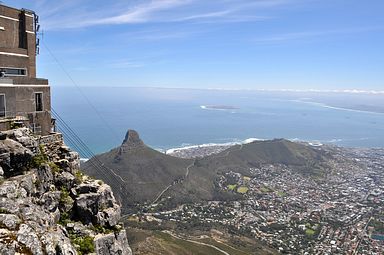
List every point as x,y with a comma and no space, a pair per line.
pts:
231,44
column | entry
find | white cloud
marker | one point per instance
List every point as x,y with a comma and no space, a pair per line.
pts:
71,14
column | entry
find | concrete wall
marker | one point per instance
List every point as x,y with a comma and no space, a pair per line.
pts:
17,37
20,101
18,50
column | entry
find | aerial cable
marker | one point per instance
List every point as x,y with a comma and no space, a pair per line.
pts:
82,93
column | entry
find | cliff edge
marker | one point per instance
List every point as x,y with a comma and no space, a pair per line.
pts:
47,206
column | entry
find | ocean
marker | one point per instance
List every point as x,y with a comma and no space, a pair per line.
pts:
172,118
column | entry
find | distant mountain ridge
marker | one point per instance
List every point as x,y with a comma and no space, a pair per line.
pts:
146,173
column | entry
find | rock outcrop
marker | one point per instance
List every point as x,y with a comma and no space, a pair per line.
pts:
47,206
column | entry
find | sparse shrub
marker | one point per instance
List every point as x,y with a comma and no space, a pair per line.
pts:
64,219
55,168
79,176
64,196
83,244
4,211
40,158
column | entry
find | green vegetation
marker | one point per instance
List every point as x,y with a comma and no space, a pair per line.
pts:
232,187
4,211
242,190
55,168
83,244
40,159
64,219
79,176
64,196
378,226
281,193
309,232
265,189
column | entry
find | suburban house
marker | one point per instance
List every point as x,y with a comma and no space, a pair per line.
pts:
24,99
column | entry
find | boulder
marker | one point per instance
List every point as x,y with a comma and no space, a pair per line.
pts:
10,221
45,177
109,217
23,136
112,244
14,158
27,236
56,242
33,196
65,179
50,200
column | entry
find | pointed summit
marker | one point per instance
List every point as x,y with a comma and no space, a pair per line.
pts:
131,142
132,138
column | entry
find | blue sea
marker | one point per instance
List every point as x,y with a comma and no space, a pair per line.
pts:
169,118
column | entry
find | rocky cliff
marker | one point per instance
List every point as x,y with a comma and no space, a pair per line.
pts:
47,206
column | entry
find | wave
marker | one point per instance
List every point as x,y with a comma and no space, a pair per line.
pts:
344,91
226,108
315,143
205,145
336,107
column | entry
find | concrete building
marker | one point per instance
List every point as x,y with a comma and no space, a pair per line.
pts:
24,98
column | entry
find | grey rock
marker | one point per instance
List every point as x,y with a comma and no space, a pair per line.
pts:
50,200
109,217
27,182
14,158
9,205
98,207
31,203
66,180
23,136
7,244
56,242
112,244
10,221
27,236
85,188
37,217
86,207
3,136
63,164
8,189
79,229
45,177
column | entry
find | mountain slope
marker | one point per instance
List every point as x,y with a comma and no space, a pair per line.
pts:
146,174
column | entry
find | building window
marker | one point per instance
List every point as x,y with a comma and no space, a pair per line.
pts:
13,71
39,101
2,106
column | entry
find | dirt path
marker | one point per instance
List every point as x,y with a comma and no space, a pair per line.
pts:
196,242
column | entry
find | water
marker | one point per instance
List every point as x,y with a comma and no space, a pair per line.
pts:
378,237
168,118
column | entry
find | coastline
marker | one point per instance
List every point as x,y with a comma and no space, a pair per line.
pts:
202,150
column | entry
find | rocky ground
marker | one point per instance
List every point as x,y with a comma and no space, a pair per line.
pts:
47,206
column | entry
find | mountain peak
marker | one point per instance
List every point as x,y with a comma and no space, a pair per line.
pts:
132,138
131,141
